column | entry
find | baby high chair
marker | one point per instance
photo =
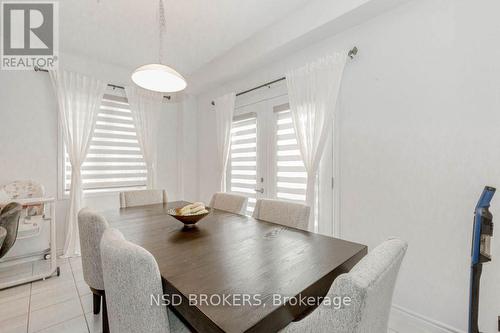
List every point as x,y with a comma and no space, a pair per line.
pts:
9,220
35,236
32,215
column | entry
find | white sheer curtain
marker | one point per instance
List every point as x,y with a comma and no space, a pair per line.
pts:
79,98
224,110
146,106
313,91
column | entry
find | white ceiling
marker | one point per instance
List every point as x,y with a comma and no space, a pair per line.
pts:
125,32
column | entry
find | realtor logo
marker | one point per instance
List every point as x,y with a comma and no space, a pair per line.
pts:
29,35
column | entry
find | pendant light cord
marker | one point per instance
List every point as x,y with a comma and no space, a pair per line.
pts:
161,31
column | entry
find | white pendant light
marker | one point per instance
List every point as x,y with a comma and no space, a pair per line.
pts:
159,77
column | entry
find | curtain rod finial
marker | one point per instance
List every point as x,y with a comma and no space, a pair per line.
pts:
353,52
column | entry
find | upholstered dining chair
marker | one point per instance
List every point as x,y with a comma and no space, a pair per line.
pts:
9,220
286,213
91,226
3,234
131,278
232,203
142,198
369,285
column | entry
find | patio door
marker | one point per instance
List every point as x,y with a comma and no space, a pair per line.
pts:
264,159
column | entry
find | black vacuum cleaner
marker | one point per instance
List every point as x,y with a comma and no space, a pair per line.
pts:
481,236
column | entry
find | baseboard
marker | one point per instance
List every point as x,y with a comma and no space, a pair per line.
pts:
405,321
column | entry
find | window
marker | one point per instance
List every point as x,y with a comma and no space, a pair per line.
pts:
114,160
242,164
291,175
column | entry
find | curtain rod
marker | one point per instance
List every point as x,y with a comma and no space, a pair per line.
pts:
352,52
114,86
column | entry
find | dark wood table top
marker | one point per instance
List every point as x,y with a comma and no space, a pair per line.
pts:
228,254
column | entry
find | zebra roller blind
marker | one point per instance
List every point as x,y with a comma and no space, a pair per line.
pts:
291,175
114,160
242,165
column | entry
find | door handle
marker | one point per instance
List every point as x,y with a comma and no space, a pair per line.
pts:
260,190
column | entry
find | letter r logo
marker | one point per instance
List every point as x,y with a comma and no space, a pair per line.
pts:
28,28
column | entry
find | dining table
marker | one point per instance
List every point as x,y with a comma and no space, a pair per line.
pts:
234,273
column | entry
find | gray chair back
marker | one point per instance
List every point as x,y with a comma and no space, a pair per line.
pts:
3,234
142,198
286,213
232,203
9,220
91,226
131,276
369,285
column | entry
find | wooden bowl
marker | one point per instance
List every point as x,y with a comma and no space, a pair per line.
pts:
188,220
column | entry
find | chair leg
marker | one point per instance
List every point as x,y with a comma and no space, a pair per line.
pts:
97,303
105,325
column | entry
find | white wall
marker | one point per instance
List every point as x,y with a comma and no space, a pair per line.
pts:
29,137
188,170
419,137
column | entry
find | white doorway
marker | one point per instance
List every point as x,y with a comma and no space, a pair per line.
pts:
265,160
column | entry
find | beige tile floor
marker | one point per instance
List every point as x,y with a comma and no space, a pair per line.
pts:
58,304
